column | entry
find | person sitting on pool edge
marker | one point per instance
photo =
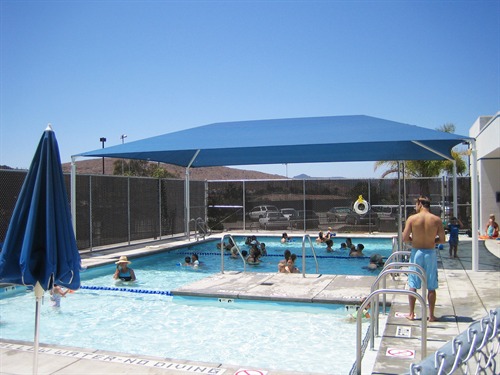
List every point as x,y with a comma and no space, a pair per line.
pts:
123,272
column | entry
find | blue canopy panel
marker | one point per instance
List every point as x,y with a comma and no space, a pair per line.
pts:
294,140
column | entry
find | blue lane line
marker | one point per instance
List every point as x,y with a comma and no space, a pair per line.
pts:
132,290
275,255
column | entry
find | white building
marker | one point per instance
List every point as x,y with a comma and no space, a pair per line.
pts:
486,131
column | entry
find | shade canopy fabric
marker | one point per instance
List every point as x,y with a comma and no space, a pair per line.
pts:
40,244
292,140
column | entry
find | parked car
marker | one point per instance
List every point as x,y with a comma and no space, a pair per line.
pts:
274,220
289,212
310,218
338,214
370,218
260,211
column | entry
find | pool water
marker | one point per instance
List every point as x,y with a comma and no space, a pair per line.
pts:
337,262
293,337
286,336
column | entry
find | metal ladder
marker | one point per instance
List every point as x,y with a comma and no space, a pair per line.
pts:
200,226
304,238
373,299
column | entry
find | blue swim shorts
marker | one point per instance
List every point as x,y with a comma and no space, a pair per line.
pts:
427,259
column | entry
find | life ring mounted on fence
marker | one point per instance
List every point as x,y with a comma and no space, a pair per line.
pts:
361,206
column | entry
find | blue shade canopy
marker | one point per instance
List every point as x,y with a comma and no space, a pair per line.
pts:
293,140
40,244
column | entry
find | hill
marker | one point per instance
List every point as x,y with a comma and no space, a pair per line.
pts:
94,166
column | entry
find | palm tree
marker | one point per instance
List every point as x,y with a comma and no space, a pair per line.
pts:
428,168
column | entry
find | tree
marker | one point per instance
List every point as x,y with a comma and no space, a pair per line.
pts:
428,168
141,168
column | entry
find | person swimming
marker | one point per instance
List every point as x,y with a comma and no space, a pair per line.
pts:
123,271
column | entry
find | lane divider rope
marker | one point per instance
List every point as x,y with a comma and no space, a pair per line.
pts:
132,290
278,255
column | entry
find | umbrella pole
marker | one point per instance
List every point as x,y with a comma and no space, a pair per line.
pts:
38,294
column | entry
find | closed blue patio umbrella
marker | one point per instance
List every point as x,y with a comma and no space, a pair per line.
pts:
40,246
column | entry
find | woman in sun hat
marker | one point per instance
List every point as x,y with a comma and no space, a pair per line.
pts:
123,271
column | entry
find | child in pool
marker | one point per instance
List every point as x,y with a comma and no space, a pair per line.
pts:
55,295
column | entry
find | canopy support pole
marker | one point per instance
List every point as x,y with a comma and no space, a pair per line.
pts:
73,193
400,214
474,205
455,189
474,194
187,203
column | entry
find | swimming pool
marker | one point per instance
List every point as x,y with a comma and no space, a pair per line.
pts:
244,333
337,262
247,333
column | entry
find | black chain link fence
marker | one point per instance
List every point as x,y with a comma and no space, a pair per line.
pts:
118,209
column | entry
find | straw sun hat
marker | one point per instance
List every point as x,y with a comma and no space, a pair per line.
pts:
123,259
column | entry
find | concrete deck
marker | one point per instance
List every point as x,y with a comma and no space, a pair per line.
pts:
463,296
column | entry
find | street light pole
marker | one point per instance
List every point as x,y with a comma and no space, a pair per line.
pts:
123,136
102,139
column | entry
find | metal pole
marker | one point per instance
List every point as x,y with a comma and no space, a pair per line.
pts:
400,214
244,207
91,242
159,207
39,295
128,208
123,136
304,197
102,141
369,299
474,206
73,193
455,190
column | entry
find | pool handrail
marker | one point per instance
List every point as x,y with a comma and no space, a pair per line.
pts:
395,254
304,254
200,224
368,300
222,252
382,275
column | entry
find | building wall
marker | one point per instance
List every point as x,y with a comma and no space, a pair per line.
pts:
486,130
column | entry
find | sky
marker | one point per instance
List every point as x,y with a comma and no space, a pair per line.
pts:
105,68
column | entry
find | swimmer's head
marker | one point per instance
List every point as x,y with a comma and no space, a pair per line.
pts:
187,259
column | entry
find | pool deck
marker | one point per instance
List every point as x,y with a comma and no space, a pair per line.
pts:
463,297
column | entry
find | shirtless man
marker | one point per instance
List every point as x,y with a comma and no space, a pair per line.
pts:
424,230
